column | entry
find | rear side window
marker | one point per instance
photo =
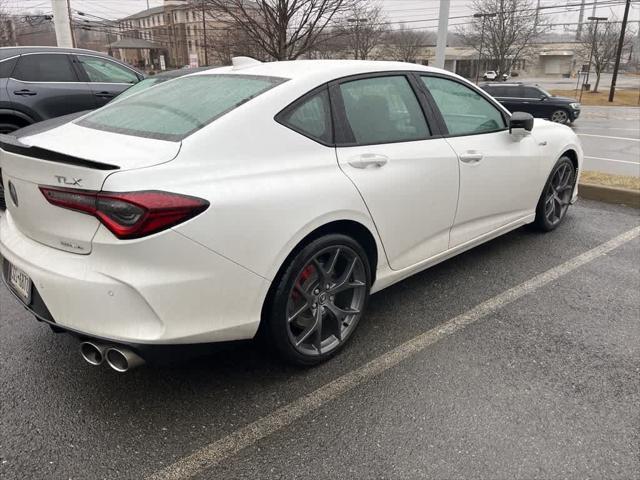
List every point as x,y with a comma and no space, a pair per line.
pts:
311,117
175,109
383,110
6,67
105,71
44,68
464,110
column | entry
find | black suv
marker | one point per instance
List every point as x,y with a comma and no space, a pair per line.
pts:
518,97
38,83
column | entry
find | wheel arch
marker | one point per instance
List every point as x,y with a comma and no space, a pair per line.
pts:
573,156
10,113
352,228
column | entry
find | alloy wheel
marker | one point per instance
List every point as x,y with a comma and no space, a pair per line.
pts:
326,300
558,194
559,116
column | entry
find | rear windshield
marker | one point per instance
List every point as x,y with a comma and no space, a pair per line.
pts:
174,110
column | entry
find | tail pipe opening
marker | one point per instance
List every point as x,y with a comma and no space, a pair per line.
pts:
92,352
122,359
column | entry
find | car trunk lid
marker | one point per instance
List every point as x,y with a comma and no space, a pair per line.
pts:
70,157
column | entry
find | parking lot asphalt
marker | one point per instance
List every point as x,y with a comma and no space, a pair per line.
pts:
546,385
610,137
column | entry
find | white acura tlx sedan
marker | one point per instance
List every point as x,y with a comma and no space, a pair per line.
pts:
266,197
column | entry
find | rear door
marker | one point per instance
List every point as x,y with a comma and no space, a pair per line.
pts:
107,79
45,85
406,174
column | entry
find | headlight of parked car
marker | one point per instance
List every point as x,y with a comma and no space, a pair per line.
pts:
575,106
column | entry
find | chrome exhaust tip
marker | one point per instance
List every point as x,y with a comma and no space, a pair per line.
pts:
93,353
122,359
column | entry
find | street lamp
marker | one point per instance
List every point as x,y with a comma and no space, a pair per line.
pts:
357,21
593,45
484,16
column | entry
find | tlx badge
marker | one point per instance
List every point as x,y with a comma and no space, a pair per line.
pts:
68,181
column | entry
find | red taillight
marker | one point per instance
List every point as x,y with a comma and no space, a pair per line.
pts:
129,214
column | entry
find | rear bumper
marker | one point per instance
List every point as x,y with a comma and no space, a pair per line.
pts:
164,289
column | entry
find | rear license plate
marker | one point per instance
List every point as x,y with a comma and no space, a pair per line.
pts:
20,283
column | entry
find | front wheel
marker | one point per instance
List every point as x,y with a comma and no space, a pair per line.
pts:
560,116
319,300
556,196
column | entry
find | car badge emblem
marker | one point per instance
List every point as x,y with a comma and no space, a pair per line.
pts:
13,194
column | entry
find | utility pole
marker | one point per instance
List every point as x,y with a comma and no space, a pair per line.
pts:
484,17
623,28
594,40
580,20
443,27
64,36
204,36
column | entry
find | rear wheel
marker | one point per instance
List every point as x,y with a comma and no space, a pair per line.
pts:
560,116
319,300
556,196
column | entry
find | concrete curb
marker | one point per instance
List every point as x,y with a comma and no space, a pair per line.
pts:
608,194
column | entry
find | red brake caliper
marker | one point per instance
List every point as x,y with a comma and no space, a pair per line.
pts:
304,276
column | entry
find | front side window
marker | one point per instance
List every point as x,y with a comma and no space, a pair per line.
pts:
465,111
383,110
532,92
311,117
175,109
105,71
44,68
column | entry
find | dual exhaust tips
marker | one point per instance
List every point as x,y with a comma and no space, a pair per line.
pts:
119,358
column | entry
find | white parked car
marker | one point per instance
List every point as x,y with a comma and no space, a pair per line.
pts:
267,197
490,75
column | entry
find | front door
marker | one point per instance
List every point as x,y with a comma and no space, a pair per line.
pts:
407,178
499,172
106,78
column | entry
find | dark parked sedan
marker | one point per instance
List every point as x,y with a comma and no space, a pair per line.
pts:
532,99
38,83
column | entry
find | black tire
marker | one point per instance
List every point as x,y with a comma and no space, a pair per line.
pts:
556,195
7,126
282,327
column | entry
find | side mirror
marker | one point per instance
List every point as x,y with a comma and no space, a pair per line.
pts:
521,120
543,97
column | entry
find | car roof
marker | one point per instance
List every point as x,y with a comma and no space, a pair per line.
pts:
321,70
6,52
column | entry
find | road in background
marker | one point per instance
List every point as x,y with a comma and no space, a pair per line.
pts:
623,81
611,139
546,386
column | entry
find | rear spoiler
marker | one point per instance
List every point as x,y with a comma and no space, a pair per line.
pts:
11,144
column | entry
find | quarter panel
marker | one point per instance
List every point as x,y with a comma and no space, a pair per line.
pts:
268,189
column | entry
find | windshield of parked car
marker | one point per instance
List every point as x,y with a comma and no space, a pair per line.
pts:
174,110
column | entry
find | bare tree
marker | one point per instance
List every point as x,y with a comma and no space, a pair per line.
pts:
363,27
508,35
281,29
6,26
224,44
332,44
603,42
405,44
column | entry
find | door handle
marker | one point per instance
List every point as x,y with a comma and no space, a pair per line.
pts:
24,92
104,94
367,160
471,157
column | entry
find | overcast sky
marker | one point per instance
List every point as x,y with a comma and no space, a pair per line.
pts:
412,13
